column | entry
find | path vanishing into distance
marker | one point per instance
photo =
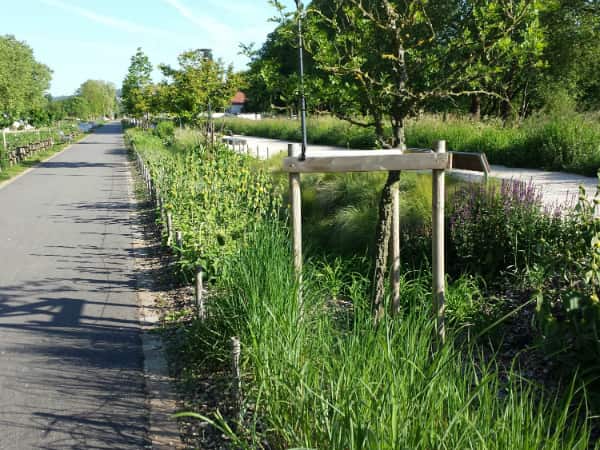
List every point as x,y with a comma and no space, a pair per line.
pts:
71,362
557,188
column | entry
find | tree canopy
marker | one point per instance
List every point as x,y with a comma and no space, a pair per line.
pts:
137,86
99,97
23,80
200,84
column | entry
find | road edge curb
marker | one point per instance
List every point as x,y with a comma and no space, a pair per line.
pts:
161,397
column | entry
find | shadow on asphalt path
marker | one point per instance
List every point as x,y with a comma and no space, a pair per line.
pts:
71,365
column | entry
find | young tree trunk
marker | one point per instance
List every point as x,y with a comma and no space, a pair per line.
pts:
476,108
506,111
382,240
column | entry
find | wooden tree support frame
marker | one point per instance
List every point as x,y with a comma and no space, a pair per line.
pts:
436,160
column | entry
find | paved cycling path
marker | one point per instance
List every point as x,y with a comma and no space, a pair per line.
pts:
71,362
556,187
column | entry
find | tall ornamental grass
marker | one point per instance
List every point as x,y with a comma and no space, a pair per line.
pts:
321,376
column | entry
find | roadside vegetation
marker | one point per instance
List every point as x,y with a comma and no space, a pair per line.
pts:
320,375
516,80
562,141
61,137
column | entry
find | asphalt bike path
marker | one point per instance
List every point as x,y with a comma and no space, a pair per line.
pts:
71,362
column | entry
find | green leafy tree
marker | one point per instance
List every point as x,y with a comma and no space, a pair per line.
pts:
136,93
23,80
100,97
198,86
573,52
385,59
77,107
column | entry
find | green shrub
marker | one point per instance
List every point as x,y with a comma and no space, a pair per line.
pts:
499,229
213,193
165,130
568,300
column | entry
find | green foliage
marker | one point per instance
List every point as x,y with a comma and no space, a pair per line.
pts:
136,92
322,130
165,130
199,85
212,193
99,98
23,80
321,376
499,230
569,142
568,304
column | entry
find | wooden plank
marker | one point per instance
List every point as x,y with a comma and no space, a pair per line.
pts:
470,161
366,161
438,262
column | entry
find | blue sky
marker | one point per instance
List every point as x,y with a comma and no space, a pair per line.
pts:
95,39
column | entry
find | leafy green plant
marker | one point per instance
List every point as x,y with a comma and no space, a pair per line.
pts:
568,306
212,194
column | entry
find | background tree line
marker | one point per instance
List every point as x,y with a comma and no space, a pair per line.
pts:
24,84
513,57
190,92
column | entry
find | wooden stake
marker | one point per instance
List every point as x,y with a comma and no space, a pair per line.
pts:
438,263
296,206
179,239
395,249
169,228
4,145
199,294
235,366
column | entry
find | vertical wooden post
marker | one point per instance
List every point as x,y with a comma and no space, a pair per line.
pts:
438,264
236,372
5,155
199,294
296,206
267,152
169,228
179,239
395,249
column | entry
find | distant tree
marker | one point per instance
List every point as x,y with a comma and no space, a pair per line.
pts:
77,107
199,84
136,93
100,97
573,52
23,80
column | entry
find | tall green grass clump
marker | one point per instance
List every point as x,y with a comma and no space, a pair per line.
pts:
319,375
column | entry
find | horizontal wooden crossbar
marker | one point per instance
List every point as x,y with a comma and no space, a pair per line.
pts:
366,161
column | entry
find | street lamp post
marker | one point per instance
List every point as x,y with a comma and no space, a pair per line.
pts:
300,10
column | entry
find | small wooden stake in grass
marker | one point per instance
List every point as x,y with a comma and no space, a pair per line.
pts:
438,264
235,365
296,206
395,249
169,228
199,294
179,239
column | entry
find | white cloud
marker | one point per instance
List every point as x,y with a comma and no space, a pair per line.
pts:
208,24
109,21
